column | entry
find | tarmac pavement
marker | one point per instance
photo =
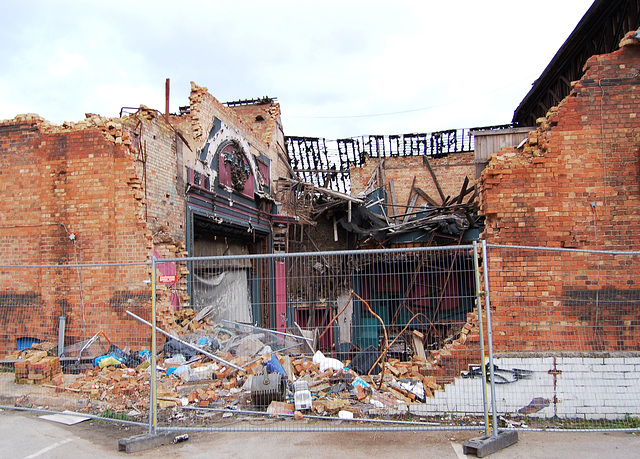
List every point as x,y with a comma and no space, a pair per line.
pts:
25,435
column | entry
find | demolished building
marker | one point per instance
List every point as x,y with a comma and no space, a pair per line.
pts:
221,179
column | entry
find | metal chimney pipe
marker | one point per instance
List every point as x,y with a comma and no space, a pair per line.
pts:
167,85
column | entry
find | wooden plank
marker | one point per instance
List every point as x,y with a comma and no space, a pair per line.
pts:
394,199
413,184
411,200
418,346
312,188
426,197
288,367
463,190
300,332
384,214
412,203
381,174
473,196
435,179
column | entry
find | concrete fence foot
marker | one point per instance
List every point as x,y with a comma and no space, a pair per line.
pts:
483,446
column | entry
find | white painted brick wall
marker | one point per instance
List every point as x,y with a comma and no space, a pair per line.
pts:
586,388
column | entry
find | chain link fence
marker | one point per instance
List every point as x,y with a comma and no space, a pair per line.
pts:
565,329
68,344
364,340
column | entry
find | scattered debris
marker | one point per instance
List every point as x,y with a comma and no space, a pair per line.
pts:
238,368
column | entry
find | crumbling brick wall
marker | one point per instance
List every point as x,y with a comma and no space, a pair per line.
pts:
76,194
265,136
103,191
574,184
57,181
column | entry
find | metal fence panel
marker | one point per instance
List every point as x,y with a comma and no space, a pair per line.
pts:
564,334
566,329
383,337
55,322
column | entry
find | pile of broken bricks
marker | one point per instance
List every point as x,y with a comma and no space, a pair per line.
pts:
36,367
234,358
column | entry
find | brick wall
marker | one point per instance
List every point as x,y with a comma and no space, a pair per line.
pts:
101,180
66,198
158,157
450,171
118,186
573,185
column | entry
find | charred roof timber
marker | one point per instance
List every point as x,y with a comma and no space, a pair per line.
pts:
435,144
266,100
329,167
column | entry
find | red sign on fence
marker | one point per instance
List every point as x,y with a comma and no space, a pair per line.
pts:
168,279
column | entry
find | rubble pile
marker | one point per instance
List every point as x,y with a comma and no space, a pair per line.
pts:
36,367
111,381
257,369
232,366
123,390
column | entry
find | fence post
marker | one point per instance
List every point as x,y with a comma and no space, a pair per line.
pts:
487,303
153,417
476,269
483,446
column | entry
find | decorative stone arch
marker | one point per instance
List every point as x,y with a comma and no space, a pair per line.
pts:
225,140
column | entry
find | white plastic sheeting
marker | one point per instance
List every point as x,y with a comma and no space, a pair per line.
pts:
227,292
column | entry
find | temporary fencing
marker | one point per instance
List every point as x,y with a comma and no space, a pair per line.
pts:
373,338
57,321
350,340
565,327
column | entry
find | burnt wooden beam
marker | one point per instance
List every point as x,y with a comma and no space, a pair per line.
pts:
435,179
426,197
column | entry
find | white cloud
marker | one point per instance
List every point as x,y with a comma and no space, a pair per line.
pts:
460,60
65,64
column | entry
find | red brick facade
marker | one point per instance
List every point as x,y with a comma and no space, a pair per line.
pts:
574,184
69,195
102,191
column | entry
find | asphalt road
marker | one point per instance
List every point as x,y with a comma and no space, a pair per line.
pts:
25,435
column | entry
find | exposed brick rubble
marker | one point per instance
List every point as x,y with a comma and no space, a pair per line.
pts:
457,355
36,367
204,383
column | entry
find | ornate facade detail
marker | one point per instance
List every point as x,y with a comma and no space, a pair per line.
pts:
240,170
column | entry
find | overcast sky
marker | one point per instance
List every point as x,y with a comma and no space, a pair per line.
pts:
338,68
